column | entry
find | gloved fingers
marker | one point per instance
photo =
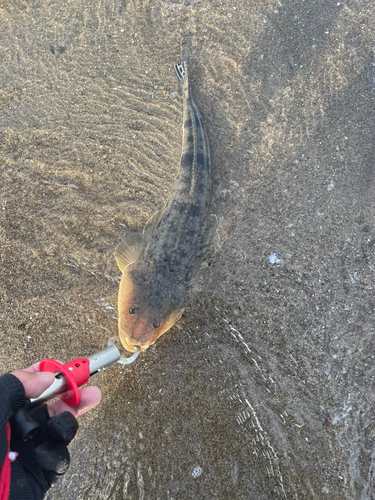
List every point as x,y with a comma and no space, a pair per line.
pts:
41,416
53,457
63,427
90,397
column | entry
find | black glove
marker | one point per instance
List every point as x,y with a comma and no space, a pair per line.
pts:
41,459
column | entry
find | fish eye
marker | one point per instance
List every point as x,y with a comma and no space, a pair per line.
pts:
156,323
133,309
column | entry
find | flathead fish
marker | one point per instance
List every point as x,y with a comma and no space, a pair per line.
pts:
159,264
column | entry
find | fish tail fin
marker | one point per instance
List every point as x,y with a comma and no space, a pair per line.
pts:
181,70
182,75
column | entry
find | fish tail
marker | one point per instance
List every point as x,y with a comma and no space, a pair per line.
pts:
182,75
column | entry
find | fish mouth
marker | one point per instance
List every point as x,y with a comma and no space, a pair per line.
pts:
144,334
131,345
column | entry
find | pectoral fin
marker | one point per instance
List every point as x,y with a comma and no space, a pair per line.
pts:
129,250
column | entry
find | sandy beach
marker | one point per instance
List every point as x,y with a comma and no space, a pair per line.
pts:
264,389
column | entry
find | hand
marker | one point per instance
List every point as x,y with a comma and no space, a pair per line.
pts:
41,460
35,382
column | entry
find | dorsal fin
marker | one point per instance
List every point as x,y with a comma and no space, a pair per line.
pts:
129,250
151,225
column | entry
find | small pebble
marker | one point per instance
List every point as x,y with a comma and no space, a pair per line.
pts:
197,471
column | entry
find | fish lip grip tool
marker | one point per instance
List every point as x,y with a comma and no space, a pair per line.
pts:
68,378
72,375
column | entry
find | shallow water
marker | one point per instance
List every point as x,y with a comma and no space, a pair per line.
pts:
264,389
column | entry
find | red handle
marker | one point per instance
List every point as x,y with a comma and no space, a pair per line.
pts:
76,373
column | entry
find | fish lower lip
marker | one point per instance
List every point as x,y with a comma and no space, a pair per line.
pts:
134,343
139,345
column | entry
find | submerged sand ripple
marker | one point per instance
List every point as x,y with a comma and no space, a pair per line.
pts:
264,389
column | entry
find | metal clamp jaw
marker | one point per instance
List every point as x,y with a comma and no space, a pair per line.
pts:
72,375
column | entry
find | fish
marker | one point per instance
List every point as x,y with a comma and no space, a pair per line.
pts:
159,264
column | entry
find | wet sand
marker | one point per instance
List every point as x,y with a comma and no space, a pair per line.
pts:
265,387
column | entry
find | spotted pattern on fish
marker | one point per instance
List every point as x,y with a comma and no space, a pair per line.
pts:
159,264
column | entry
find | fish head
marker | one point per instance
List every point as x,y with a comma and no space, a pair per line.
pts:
143,317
